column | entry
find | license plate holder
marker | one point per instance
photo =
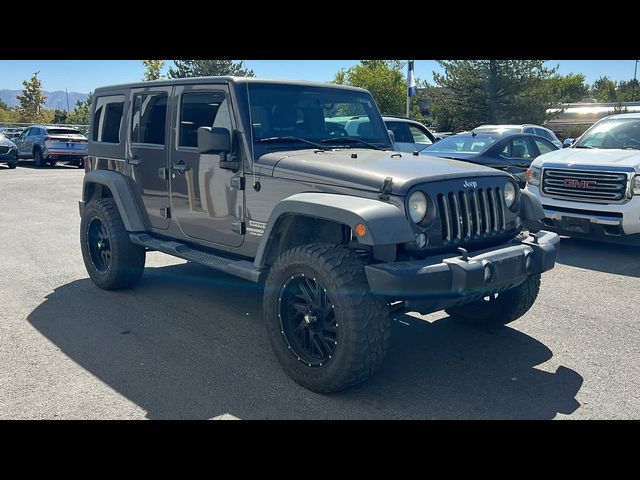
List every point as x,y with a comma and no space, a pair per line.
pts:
575,224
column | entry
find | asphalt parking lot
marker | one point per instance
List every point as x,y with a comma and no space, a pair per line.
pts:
189,343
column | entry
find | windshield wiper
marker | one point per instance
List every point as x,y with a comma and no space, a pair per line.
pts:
291,139
583,146
350,140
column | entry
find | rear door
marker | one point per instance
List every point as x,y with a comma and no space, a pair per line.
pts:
21,143
147,151
207,201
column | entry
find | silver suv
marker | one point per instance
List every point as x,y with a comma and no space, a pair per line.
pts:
50,144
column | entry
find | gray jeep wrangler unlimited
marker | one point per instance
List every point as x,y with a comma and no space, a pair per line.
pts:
261,180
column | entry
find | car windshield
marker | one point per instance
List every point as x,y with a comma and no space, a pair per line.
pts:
63,131
621,133
468,144
296,115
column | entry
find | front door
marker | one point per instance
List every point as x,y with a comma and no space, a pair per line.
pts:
207,201
147,152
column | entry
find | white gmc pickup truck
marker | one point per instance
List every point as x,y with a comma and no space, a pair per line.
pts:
592,189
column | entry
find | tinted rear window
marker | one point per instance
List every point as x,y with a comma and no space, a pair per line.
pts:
63,131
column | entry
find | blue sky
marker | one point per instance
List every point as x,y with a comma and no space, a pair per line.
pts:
85,75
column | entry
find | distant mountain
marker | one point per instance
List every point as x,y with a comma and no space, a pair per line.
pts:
57,99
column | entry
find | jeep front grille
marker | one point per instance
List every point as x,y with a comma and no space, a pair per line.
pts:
471,214
601,186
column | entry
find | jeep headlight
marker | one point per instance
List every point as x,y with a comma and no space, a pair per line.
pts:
635,184
534,174
417,206
509,194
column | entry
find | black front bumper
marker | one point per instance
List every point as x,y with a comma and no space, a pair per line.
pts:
452,277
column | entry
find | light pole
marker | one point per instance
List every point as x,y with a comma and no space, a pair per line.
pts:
635,81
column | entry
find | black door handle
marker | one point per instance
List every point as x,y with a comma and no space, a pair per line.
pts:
180,167
134,160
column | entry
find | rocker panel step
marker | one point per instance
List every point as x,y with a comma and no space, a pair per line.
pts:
239,268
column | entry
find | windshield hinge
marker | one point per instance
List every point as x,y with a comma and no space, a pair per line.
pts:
385,189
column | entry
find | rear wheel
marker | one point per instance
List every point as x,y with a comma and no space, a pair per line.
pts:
38,158
500,308
111,259
326,328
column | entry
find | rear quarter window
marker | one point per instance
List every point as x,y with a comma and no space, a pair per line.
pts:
107,119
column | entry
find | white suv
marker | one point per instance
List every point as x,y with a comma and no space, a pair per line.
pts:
592,189
526,128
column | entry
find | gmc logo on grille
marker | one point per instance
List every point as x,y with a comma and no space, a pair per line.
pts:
584,184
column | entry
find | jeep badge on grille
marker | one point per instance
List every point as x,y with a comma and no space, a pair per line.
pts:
470,184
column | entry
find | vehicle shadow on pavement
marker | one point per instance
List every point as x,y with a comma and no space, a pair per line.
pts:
189,343
600,256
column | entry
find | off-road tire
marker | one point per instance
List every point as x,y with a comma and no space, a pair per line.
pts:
126,258
38,159
363,320
501,310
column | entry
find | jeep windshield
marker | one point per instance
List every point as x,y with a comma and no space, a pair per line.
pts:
301,116
621,133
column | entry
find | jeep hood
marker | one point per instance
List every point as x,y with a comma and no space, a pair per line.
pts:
590,158
368,169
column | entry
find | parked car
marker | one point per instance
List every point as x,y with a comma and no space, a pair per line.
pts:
592,189
409,135
8,152
512,152
525,128
258,179
50,144
11,132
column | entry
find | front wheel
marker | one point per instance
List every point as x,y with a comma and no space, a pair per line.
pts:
13,161
500,308
111,259
326,328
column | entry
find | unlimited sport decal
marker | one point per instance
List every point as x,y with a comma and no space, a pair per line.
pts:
256,228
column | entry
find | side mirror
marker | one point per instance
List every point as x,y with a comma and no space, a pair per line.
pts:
392,135
217,140
568,142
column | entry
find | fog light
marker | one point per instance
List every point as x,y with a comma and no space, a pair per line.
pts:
421,240
488,273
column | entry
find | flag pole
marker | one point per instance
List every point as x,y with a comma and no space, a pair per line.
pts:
411,86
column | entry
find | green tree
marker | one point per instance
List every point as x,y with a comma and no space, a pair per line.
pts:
384,79
60,116
627,91
152,69
206,68
473,92
82,112
31,101
4,105
604,90
565,88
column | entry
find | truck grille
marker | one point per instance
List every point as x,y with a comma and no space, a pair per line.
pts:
585,184
471,214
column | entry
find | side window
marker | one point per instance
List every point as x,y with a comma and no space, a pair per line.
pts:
148,119
400,131
201,110
419,136
107,119
528,130
519,148
541,132
25,133
543,146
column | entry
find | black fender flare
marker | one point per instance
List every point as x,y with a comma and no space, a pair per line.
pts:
531,211
385,223
122,194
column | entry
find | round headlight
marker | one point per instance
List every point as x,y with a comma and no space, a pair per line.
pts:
417,206
509,194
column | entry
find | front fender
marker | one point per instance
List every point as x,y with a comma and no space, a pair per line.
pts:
386,224
531,211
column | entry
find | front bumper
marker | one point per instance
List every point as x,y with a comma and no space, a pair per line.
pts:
455,278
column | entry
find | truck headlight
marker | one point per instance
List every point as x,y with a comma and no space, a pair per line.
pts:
417,206
534,174
509,194
635,184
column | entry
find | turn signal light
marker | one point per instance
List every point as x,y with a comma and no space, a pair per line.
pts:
361,230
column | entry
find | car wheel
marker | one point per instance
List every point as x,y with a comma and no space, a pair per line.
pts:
13,161
38,159
501,308
111,259
80,163
325,327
